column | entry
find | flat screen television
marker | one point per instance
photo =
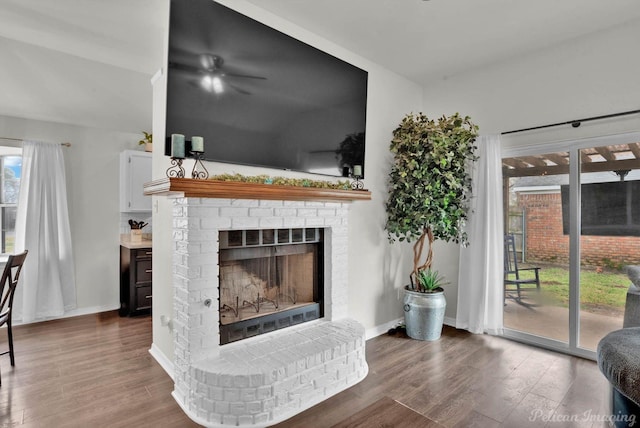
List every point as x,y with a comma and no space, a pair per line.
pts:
607,209
260,97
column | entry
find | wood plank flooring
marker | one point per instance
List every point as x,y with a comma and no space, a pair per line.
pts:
95,371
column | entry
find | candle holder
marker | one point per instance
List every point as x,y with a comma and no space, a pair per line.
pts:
356,184
199,172
175,170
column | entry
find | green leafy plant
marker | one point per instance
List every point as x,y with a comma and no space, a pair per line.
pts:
430,183
148,138
429,281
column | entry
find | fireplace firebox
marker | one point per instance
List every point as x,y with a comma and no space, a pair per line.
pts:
269,279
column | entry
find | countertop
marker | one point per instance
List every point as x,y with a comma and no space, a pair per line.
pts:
125,241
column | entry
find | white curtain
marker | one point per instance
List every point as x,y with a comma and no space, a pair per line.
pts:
480,278
47,287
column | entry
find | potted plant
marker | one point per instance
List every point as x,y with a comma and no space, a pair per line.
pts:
429,197
147,141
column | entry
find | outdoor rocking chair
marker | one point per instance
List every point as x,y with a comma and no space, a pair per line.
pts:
512,272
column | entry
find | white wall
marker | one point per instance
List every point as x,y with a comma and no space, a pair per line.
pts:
374,263
591,76
92,172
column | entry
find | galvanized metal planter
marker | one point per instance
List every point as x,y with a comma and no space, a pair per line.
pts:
424,314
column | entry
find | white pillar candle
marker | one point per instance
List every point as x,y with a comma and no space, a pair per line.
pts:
177,146
357,170
197,144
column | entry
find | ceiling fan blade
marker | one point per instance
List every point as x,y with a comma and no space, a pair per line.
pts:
238,90
244,76
184,67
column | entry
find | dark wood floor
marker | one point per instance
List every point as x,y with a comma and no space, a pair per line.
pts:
95,371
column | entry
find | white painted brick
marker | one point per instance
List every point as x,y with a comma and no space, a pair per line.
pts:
222,407
307,212
261,212
245,420
282,364
199,236
254,407
215,418
238,409
314,222
270,203
245,223
285,212
281,399
180,223
216,393
238,211
229,420
270,222
202,211
261,418
246,203
263,392
326,212
210,202
202,413
215,223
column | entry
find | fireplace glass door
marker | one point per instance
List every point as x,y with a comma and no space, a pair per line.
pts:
267,286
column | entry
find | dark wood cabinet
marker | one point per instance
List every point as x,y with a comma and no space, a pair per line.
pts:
135,281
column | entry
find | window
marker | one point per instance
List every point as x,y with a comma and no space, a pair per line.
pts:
11,167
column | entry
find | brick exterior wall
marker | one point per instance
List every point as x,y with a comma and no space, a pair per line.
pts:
265,379
546,242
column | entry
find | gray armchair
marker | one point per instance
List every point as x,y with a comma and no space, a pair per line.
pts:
619,359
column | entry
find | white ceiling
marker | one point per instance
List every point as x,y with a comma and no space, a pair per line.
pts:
89,62
425,40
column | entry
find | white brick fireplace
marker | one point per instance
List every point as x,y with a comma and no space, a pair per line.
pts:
265,379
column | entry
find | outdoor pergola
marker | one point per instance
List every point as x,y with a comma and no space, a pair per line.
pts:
621,157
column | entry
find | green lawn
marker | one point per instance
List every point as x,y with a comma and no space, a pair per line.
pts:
605,291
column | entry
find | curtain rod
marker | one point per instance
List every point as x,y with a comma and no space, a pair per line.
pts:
22,139
575,123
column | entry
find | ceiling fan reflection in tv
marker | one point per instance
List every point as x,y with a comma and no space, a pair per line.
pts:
211,76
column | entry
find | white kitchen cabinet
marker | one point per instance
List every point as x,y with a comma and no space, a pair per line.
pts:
135,170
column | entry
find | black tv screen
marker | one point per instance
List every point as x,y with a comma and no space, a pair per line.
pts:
607,209
260,97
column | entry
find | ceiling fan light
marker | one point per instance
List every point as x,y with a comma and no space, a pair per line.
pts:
207,83
216,84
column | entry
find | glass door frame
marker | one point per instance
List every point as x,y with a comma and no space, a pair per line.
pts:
573,147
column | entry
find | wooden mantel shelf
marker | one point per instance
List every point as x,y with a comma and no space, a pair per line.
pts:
190,188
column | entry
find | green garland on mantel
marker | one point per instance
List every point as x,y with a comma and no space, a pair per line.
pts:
284,181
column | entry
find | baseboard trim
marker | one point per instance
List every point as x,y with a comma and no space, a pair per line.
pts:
451,322
73,313
162,359
378,330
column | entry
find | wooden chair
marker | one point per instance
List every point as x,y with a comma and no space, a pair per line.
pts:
512,271
8,283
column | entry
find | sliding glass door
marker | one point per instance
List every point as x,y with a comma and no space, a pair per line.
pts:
609,237
574,215
532,185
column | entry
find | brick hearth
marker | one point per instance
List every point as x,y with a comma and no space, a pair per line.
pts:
261,380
